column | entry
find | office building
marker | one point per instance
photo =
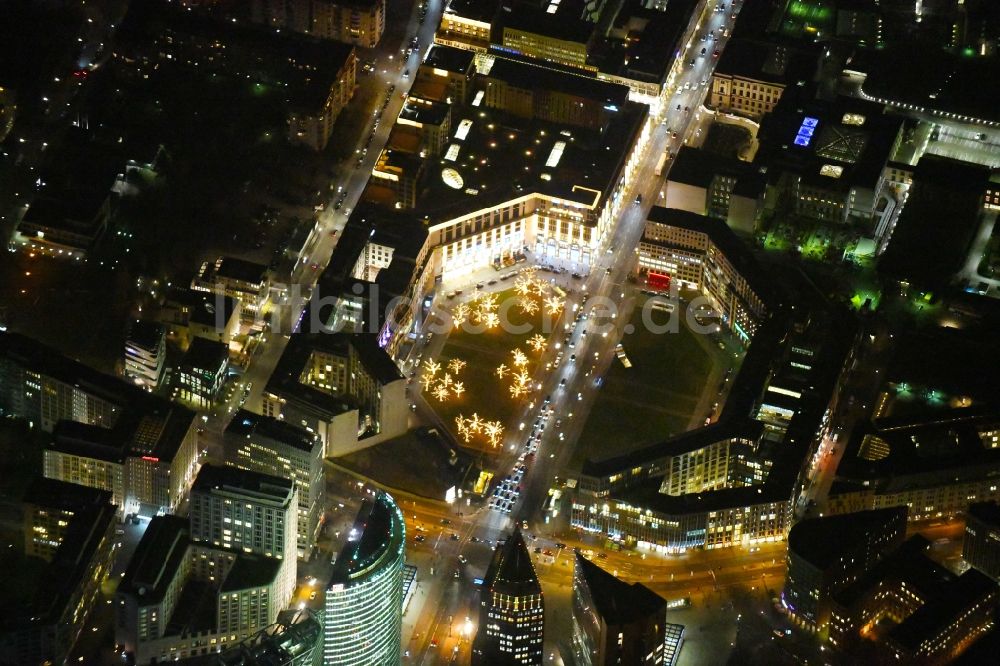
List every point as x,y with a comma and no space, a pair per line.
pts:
936,462
511,609
364,598
827,554
199,585
826,160
242,280
146,353
249,511
726,189
72,529
704,254
751,76
357,22
913,609
341,386
314,111
631,43
615,622
269,446
202,372
981,546
189,314
76,190
731,482
108,433
915,249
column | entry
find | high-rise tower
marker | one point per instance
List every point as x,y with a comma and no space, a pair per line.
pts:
364,600
512,612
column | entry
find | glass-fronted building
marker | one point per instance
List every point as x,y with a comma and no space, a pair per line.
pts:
364,600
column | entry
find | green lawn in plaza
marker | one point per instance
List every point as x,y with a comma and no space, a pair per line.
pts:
485,394
653,399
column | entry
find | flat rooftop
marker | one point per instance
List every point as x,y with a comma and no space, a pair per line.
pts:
766,61
835,144
225,478
922,250
247,424
204,354
822,541
501,157
449,58
935,79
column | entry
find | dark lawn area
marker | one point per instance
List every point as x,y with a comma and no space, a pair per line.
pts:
650,401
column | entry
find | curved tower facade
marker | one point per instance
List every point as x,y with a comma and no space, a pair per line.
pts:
364,600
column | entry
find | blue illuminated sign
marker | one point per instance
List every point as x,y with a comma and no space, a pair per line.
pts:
806,131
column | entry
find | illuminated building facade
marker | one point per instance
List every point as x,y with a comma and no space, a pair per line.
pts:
704,254
730,483
250,512
110,434
511,609
202,372
932,614
181,598
342,386
751,76
364,598
935,463
313,115
244,281
269,446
